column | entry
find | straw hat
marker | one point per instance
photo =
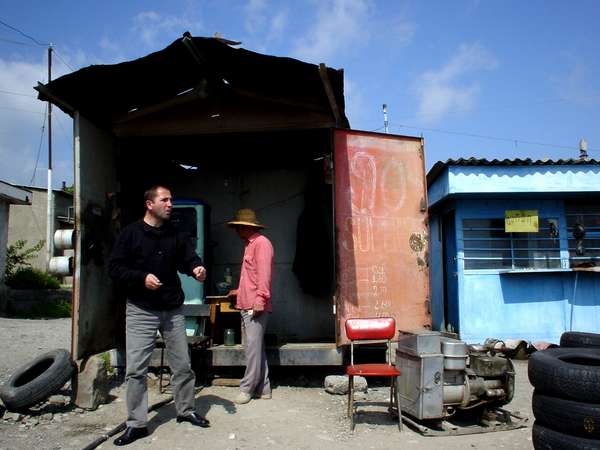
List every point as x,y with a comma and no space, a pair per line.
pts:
246,217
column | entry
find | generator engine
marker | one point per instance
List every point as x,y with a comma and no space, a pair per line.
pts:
441,375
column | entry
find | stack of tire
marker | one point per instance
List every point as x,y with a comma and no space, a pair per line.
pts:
566,400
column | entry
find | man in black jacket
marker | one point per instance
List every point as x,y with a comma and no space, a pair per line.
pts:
144,261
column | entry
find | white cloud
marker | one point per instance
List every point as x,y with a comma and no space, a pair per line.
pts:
339,25
574,84
113,51
153,28
402,32
255,15
264,23
354,102
444,90
277,26
21,118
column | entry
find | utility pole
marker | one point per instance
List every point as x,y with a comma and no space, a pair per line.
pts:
50,207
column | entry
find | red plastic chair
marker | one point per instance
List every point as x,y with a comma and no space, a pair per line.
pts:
372,330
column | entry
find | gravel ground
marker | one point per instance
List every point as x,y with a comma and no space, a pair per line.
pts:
24,339
297,417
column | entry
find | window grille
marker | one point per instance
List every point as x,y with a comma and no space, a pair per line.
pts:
488,246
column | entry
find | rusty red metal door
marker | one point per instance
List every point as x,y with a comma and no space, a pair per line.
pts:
381,229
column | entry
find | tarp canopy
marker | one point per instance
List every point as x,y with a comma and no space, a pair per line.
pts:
203,68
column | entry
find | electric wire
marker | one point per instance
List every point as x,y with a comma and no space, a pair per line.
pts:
20,109
37,159
63,61
24,34
2,91
10,41
516,141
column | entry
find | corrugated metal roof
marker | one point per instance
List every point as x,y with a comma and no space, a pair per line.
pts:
441,165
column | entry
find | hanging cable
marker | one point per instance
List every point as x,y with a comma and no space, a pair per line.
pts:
37,159
493,138
16,93
10,41
63,61
23,34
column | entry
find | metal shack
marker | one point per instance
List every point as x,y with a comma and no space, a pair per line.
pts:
228,128
515,247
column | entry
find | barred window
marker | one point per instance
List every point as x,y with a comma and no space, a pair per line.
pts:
583,228
488,246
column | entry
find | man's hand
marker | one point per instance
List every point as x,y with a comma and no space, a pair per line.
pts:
258,307
232,293
151,282
199,273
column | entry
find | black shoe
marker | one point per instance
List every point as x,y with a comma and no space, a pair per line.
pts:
131,435
194,419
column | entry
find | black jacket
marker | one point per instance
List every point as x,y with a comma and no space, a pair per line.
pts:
142,249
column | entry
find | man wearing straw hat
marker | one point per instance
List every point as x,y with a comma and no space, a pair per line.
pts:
253,299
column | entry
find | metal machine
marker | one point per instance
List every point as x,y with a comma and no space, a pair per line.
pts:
441,375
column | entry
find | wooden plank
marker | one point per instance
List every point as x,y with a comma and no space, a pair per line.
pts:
330,95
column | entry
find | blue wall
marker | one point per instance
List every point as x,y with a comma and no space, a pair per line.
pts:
532,305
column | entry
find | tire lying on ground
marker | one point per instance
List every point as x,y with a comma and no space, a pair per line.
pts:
567,416
571,373
579,339
36,381
547,439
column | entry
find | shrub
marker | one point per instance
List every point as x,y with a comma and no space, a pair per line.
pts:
30,278
49,310
17,256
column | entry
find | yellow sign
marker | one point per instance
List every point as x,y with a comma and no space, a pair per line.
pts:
525,221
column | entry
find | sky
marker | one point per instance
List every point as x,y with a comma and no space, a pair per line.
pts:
486,79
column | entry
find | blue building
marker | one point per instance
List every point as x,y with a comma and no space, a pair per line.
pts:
488,280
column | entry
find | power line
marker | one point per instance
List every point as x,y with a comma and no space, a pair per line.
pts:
16,93
37,159
10,41
24,34
62,127
19,109
63,61
516,141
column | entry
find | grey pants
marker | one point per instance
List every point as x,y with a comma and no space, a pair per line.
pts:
141,327
256,378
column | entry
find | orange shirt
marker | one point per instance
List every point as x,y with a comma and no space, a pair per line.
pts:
256,274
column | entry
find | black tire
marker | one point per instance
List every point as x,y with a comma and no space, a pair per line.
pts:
546,439
571,373
567,416
581,340
36,381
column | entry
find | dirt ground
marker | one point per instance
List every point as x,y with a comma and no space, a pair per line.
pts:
301,415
